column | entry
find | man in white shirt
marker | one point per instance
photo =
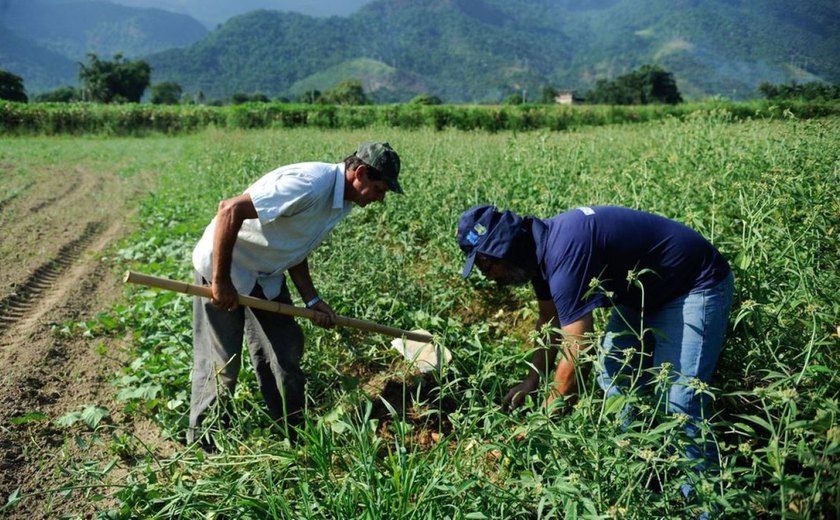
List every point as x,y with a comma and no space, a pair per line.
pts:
256,238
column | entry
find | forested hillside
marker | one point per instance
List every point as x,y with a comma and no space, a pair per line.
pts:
40,67
458,50
480,50
264,51
44,40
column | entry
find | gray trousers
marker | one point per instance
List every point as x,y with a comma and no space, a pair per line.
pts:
275,343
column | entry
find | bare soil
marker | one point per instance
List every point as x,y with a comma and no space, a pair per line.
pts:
55,228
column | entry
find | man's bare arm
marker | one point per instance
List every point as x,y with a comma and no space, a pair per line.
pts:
303,281
229,218
542,359
574,339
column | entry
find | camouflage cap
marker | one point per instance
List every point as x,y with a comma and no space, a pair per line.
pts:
383,159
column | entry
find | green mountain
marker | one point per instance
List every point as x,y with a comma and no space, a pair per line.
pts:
40,68
721,47
460,50
73,28
484,50
263,51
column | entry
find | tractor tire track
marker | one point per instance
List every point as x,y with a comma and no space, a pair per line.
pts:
51,200
50,373
5,202
56,224
54,206
17,305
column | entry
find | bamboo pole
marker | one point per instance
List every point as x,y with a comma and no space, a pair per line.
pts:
266,305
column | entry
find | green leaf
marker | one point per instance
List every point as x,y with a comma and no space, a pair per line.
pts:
69,419
616,403
93,415
757,420
744,428
109,467
145,393
14,498
773,459
743,261
28,418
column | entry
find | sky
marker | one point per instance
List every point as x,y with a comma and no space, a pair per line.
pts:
214,12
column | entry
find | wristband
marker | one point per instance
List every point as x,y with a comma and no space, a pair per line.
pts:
313,302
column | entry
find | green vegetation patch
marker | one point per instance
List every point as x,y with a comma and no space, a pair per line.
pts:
764,191
143,119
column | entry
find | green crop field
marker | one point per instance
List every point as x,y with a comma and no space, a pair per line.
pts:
764,191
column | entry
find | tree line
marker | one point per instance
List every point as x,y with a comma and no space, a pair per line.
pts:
123,81
811,91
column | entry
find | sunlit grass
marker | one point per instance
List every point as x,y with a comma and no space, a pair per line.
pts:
765,192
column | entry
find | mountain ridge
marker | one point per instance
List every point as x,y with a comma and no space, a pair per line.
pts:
73,28
486,50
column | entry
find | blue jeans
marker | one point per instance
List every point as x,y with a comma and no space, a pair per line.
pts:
686,333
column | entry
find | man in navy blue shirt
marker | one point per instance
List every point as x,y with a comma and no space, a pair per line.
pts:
670,292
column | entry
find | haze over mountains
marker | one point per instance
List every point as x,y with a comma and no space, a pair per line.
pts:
459,50
215,12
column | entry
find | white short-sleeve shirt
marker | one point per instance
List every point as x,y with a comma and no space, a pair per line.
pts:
297,206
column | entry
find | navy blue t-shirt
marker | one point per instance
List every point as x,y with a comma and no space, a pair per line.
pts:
606,242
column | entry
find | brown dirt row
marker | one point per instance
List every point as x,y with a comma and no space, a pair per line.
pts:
55,228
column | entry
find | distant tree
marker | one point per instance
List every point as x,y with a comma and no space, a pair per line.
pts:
425,99
239,98
309,97
660,85
548,94
116,81
166,93
60,95
768,90
11,87
348,92
514,99
812,91
648,84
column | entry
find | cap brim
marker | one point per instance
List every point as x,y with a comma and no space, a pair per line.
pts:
468,265
394,186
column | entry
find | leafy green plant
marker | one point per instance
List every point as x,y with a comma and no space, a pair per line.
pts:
90,415
760,184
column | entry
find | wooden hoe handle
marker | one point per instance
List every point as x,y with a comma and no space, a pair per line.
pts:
266,305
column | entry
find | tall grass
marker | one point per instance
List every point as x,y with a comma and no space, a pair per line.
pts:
764,191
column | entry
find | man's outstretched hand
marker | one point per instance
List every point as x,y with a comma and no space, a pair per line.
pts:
516,396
